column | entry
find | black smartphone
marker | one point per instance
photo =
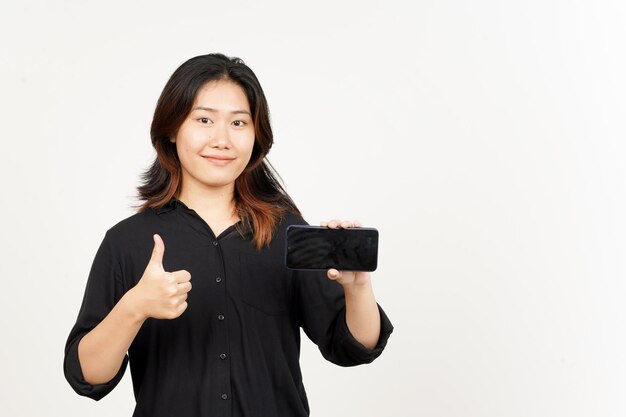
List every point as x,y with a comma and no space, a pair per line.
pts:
322,248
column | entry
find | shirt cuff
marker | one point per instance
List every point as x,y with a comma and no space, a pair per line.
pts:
359,353
74,374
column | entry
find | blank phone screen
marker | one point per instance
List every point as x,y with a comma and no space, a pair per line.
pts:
321,248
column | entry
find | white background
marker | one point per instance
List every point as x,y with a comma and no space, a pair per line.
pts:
484,139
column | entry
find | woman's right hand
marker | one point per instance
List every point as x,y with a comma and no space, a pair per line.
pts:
160,294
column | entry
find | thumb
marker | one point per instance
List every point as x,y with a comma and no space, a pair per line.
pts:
333,274
157,253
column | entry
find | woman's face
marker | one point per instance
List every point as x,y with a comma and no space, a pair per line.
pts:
215,141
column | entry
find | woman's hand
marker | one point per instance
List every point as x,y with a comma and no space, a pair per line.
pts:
362,316
160,294
347,279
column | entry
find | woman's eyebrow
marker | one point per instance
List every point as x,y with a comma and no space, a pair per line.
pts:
216,111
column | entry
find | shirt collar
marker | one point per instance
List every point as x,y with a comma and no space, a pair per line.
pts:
170,205
173,203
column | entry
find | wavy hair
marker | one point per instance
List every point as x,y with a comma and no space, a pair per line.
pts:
260,199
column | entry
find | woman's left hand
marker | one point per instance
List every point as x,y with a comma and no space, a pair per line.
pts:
347,279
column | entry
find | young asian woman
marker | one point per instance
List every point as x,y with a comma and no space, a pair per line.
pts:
192,292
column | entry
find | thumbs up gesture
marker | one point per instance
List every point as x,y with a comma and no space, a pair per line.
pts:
160,294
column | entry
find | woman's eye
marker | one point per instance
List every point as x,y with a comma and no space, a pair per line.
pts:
241,123
204,120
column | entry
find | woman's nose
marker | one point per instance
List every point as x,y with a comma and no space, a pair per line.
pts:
219,136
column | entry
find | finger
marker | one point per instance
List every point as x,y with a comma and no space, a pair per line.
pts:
333,274
181,276
156,258
334,223
181,308
346,224
357,224
178,301
184,287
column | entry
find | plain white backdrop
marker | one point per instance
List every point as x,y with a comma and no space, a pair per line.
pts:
484,139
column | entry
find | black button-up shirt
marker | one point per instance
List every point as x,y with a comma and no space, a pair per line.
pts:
235,349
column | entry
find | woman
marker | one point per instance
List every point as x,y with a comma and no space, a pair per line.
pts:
214,214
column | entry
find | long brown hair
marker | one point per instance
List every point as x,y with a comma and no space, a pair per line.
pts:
260,199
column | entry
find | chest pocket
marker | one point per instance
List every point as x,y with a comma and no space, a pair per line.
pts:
264,284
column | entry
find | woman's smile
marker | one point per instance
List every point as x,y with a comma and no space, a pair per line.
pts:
219,160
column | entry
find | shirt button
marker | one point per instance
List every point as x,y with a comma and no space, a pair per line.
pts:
222,356
218,279
224,396
220,317
215,243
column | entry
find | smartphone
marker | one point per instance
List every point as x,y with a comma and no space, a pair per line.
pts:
322,248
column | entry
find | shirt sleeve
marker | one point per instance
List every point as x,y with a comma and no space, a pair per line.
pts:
322,316
102,292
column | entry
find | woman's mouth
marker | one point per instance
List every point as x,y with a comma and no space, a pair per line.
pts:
218,160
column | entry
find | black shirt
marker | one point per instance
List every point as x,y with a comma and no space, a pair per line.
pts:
235,350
